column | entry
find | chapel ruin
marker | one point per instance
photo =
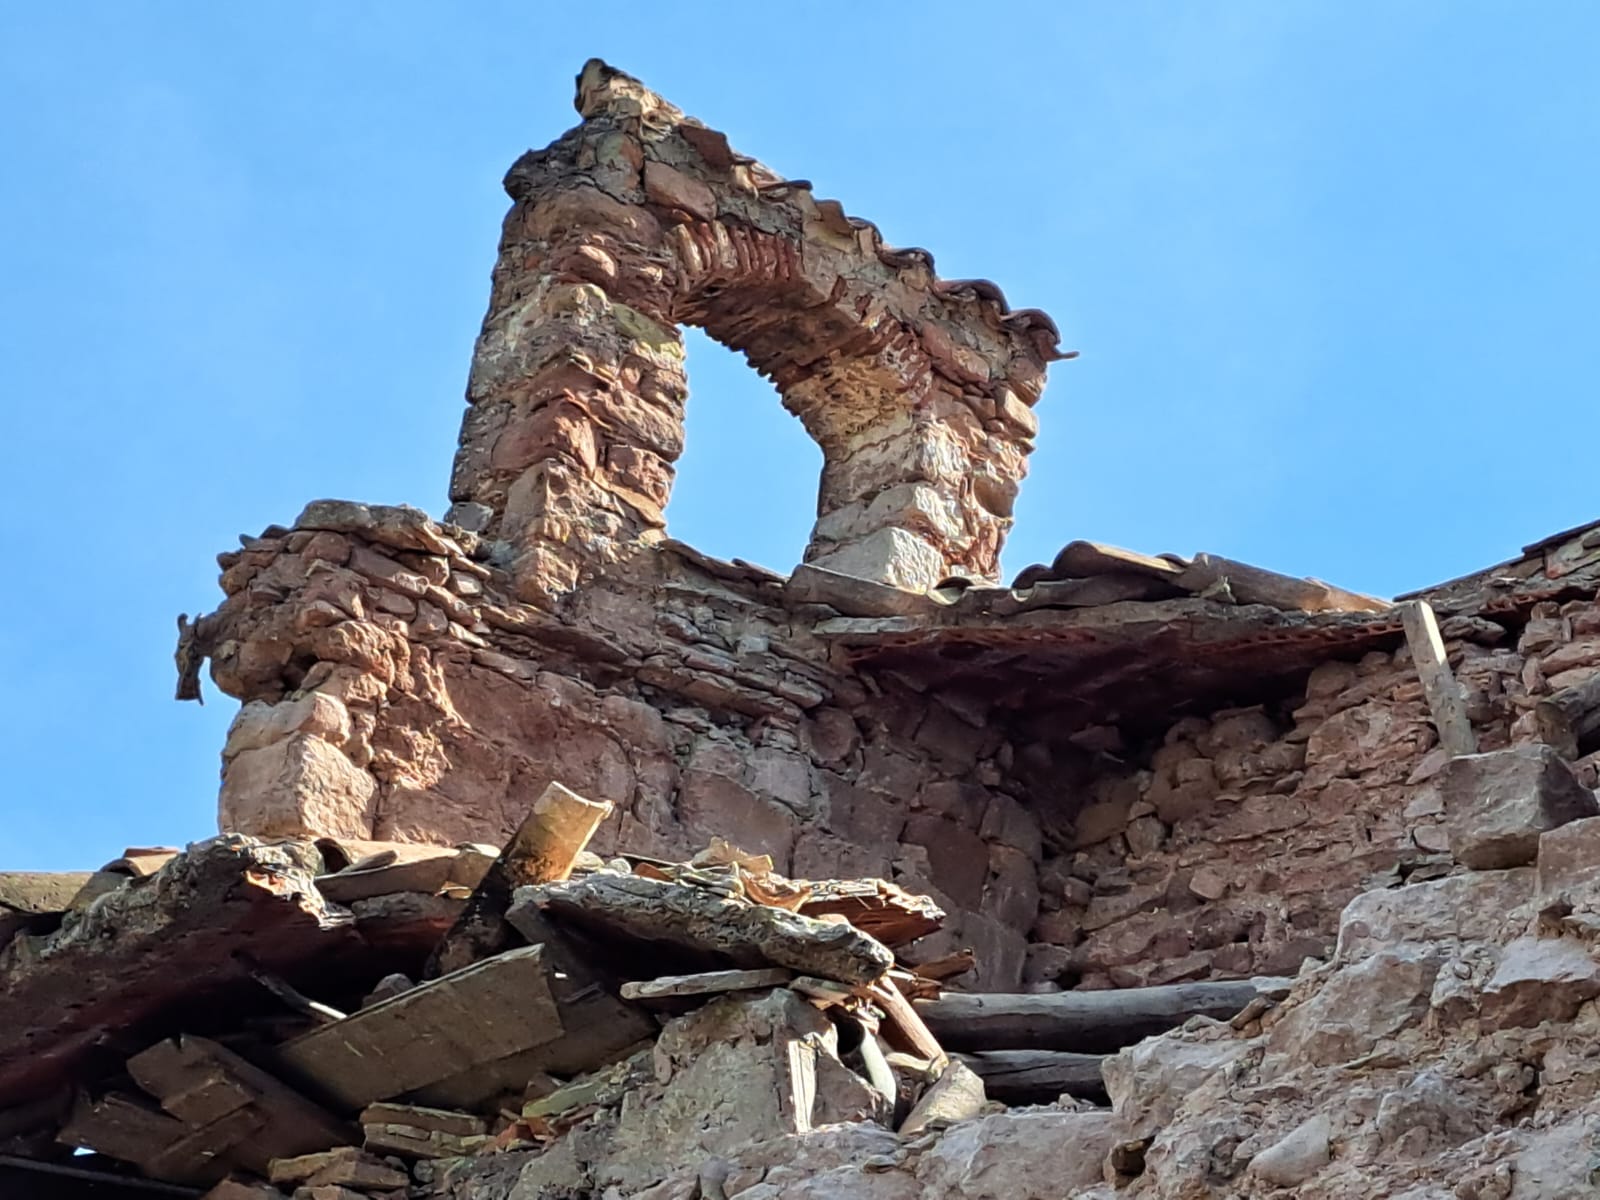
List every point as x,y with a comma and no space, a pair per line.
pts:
560,859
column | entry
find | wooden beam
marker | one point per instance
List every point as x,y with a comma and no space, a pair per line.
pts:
1570,719
543,850
904,1028
1088,1022
1438,682
1038,1076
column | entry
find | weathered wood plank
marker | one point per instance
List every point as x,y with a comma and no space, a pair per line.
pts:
543,850
1088,1022
488,1011
1445,704
904,1028
875,906
707,926
706,983
1038,1076
598,1028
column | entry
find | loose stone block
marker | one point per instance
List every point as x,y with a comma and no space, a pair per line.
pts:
1497,804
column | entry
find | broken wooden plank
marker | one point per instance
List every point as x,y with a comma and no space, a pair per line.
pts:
205,1085
1088,1022
543,850
1254,585
420,1132
707,926
1569,720
1038,1076
904,1028
1082,560
947,966
468,1019
706,983
597,1028
1439,686
126,1128
885,910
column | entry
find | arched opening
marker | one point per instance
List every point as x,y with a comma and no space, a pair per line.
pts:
746,484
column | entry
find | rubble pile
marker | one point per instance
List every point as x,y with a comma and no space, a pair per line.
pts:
327,1020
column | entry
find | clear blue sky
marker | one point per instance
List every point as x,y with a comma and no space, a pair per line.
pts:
1331,265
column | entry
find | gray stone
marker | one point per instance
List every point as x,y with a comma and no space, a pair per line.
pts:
1497,804
1539,979
1297,1157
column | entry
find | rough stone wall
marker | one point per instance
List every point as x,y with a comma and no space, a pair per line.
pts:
393,689
640,220
1229,846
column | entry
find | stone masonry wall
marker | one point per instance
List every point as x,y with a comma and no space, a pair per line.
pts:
1229,846
393,689
918,390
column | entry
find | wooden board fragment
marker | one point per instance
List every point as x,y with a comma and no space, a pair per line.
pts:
543,850
706,926
598,1028
1088,1022
208,1087
947,966
488,1011
706,983
1439,686
875,906
1038,1076
904,1028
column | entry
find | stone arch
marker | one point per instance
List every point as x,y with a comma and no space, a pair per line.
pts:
919,391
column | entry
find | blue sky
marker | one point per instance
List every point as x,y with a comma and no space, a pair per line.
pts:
1332,267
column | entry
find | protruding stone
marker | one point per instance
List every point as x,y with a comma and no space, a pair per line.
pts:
1497,804
1297,1157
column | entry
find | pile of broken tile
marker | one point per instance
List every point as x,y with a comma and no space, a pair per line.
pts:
266,1020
